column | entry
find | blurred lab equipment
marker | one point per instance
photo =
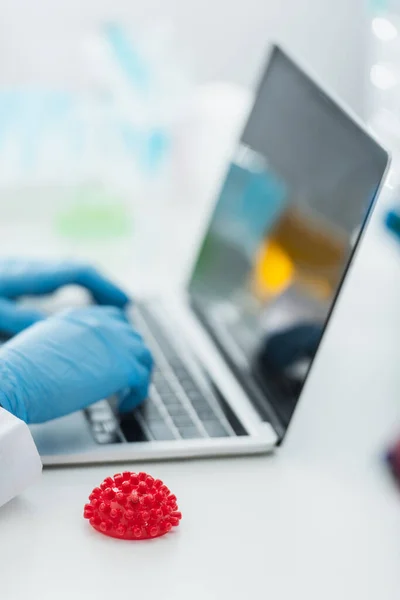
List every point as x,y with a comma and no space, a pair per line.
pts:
383,98
90,166
384,71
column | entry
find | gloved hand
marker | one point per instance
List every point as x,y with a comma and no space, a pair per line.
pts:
26,278
69,361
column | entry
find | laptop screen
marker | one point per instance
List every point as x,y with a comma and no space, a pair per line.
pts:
297,190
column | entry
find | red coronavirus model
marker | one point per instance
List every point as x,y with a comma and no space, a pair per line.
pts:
132,506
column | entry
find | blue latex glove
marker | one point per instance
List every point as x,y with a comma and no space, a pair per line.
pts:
27,278
69,361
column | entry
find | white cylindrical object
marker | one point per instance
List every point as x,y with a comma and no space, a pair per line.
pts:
20,464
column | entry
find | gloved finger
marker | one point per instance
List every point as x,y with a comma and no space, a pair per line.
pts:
97,316
24,278
139,377
94,315
137,393
103,290
14,319
141,352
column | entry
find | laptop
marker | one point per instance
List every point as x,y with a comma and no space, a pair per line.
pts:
233,350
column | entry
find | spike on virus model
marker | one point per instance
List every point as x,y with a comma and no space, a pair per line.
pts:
132,506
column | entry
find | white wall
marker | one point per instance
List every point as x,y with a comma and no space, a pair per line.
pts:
227,38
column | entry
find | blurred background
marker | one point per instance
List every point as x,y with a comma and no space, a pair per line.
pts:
117,117
222,40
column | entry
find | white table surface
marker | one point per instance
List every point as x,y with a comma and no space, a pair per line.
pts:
320,519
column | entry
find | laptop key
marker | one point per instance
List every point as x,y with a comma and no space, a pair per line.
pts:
106,438
195,395
100,411
198,400
98,416
132,429
105,433
110,426
162,383
187,381
160,431
150,411
182,420
175,409
180,371
189,388
214,429
151,418
205,413
203,408
190,432
169,399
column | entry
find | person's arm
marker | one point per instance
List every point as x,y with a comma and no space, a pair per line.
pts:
20,464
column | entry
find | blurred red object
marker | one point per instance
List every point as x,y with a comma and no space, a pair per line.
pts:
132,506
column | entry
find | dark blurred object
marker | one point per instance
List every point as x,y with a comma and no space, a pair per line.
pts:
285,348
393,459
282,362
392,222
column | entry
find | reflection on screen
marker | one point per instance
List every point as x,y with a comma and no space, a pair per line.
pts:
297,190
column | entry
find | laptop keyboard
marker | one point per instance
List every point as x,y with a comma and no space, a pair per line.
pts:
180,406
